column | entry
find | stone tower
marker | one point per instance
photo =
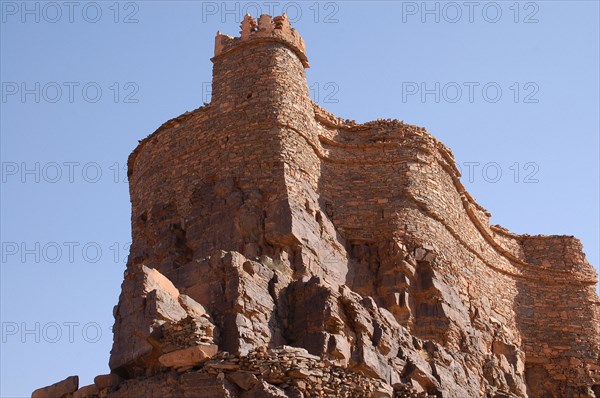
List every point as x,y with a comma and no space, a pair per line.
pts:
279,250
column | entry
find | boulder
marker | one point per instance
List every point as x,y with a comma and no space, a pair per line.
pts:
190,356
87,391
58,390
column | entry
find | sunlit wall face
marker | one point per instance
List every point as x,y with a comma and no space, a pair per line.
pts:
511,88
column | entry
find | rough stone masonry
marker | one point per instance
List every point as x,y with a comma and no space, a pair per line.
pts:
280,251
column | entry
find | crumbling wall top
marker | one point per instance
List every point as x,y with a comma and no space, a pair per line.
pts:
277,29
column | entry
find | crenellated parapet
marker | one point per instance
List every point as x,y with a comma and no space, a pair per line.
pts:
277,29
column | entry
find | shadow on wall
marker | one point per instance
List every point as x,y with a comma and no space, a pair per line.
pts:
557,328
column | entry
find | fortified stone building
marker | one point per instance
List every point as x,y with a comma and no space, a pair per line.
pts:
281,251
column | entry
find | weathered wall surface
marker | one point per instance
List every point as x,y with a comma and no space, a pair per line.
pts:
263,171
284,225
516,295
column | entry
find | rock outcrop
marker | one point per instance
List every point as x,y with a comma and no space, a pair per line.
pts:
280,251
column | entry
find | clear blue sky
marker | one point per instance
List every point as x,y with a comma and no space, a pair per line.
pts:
65,227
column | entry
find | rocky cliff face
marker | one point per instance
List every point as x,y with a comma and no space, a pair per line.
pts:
279,251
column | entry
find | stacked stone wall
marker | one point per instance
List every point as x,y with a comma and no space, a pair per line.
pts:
288,225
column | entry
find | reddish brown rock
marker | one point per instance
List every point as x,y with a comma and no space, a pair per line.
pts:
329,258
190,356
152,320
107,381
90,391
58,390
265,390
244,380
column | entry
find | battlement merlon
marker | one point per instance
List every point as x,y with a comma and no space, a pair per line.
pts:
267,29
